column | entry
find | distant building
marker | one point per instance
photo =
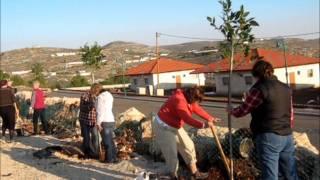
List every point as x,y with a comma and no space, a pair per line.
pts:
303,72
83,73
172,74
21,72
62,54
74,63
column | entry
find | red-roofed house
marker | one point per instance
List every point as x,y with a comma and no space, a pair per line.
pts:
303,71
172,74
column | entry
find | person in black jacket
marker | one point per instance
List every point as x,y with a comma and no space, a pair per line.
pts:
270,104
8,109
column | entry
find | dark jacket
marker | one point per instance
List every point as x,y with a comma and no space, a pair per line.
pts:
274,114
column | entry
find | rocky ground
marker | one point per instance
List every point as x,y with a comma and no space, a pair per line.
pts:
18,162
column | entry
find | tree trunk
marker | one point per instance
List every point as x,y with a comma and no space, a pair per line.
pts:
230,105
92,77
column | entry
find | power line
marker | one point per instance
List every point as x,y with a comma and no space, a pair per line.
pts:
211,39
290,35
189,37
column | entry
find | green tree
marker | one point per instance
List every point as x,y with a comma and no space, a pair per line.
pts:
236,28
17,80
78,81
92,57
37,70
4,75
115,80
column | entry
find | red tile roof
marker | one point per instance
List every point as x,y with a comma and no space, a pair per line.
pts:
241,63
164,64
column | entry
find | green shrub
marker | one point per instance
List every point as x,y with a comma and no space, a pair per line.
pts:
17,80
115,80
4,75
79,81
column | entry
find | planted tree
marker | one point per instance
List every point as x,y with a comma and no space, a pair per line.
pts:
92,57
37,70
236,27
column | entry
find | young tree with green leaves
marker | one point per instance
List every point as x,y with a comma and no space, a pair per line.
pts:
92,57
236,28
37,70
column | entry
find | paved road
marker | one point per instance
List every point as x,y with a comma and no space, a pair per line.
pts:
303,123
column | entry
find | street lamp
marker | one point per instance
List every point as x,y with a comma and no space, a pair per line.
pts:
281,44
123,72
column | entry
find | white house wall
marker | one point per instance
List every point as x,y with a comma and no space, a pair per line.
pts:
301,75
301,79
168,80
140,81
238,83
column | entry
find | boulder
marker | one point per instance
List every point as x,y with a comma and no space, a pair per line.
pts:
132,114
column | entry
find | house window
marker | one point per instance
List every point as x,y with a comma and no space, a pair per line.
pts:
173,76
184,75
248,80
146,81
135,82
310,73
298,72
225,81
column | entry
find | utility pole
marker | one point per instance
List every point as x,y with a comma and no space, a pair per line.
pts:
157,56
281,44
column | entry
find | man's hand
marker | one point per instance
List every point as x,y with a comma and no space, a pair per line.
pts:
99,127
30,110
211,125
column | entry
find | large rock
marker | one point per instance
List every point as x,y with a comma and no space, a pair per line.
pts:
132,114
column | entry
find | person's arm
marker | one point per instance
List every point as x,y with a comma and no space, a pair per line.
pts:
186,116
99,109
252,101
13,98
33,99
197,109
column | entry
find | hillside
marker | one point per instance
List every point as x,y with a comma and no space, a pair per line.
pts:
118,52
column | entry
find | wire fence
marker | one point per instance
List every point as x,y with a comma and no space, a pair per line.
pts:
63,117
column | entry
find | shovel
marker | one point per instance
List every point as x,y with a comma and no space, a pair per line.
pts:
102,154
223,156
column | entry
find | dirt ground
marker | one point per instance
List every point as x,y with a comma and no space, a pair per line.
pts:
18,162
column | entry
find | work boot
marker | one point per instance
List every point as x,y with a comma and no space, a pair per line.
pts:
199,175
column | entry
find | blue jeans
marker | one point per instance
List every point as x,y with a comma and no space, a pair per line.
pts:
108,141
90,140
277,156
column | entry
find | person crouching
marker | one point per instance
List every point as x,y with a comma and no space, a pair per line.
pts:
170,134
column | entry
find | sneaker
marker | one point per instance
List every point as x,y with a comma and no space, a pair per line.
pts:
199,175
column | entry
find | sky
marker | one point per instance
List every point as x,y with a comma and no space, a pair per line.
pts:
72,23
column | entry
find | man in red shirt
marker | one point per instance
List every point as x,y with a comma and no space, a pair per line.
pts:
38,107
170,134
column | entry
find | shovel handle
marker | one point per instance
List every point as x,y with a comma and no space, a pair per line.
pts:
224,158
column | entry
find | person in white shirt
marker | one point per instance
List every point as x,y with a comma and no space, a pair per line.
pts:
106,124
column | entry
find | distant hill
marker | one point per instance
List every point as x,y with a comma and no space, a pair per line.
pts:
118,52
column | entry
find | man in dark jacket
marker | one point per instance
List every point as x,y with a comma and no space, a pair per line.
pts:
270,104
